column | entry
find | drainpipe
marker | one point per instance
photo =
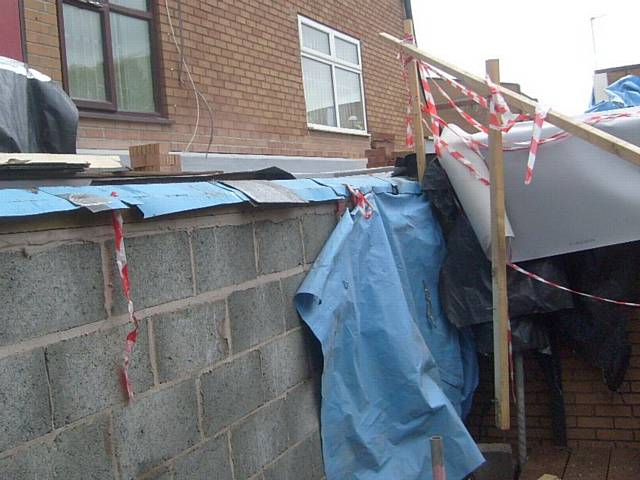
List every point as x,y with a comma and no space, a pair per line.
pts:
408,14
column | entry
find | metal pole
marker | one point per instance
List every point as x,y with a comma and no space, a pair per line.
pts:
437,458
522,420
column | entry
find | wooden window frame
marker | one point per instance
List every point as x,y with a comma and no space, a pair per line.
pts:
334,62
109,108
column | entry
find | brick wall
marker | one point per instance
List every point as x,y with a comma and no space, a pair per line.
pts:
245,58
224,372
616,74
595,416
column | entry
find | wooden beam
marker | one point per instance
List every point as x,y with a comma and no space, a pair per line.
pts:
499,268
416,113
603,140
111,162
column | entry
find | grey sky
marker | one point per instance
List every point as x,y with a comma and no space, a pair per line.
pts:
544,45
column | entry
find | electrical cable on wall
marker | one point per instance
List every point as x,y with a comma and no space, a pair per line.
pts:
196,92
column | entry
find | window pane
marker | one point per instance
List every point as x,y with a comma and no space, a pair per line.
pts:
132,63
315,39
350,99
85,60
347,51
318,90
137,4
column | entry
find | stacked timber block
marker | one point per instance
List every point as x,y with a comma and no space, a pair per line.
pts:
154,157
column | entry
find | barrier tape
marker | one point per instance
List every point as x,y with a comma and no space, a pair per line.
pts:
472,121
479,99
437,122
123,270
404,60
410,140
540,115
466,163
498,105
430,106
534,276
361,202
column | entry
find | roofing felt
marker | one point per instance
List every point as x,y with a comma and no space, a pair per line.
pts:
156,199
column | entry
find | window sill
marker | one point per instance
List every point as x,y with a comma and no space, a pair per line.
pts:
126,117
344,131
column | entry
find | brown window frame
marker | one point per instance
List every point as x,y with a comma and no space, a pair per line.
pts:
109,107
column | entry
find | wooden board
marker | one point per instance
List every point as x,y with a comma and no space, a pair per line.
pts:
110,162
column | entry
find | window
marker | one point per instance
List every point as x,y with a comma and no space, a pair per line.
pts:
107,54
332,77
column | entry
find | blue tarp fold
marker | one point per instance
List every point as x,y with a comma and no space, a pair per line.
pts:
395,370
622,93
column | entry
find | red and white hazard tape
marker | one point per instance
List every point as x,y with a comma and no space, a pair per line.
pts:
437,122
123,270
430,106
361,202
466,163
498,106
480,100
404,60
472,121
541,113
566,289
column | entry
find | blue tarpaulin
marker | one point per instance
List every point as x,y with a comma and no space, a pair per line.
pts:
396,372
622,93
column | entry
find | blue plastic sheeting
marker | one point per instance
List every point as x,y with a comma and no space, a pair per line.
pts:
394,369
165,198
309,190
404,185
622,93
409,224
364,183
17,202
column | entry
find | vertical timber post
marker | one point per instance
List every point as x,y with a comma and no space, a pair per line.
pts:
416,113
499,268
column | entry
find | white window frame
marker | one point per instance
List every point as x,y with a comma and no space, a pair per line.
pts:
334,62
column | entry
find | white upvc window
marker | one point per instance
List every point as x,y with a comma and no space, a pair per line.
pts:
332,77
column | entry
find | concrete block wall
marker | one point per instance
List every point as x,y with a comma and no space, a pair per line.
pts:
226,376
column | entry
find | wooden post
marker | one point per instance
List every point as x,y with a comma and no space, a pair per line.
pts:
499,268
416,114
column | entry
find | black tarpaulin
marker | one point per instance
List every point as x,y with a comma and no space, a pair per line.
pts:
36,115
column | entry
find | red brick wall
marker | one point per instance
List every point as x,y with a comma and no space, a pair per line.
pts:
245,59
618,73
596,417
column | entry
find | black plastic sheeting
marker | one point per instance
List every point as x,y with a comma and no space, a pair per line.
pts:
595,330
36,116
